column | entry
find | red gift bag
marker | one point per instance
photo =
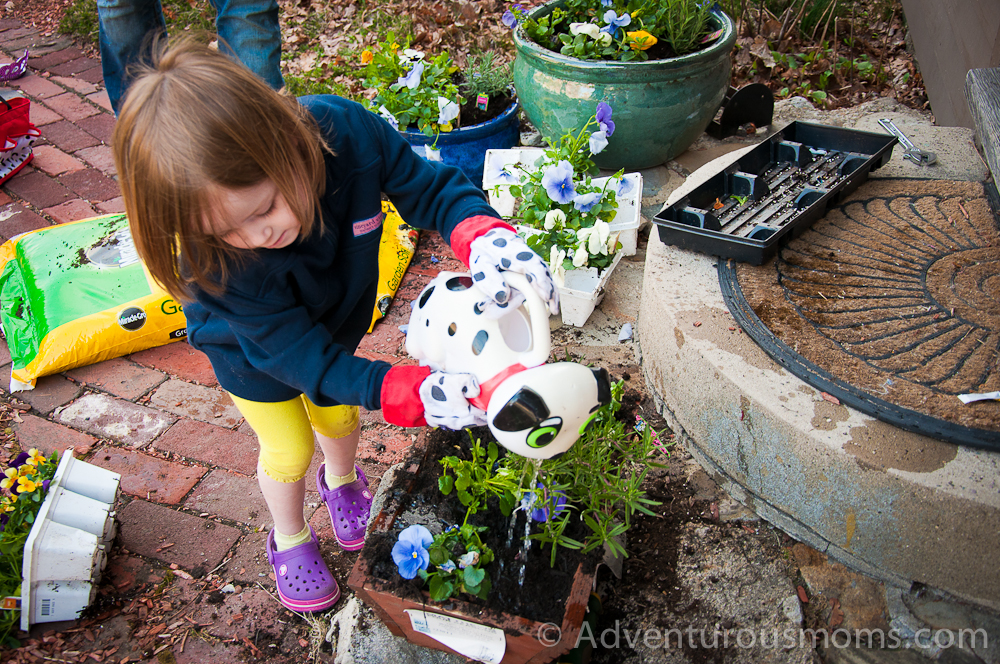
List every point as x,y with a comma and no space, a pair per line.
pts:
16,134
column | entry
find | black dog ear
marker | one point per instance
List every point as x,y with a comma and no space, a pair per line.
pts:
525,410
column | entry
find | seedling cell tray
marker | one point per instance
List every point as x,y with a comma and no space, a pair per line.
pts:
773,192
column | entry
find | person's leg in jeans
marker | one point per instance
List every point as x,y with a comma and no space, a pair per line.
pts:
249,30
124,26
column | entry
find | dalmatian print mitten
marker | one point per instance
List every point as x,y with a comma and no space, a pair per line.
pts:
502,249
445,398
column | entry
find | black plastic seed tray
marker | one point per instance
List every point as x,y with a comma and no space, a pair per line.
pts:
774,192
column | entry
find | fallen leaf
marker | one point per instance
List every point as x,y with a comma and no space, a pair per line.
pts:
830,398
697,323
836,615
303,643
802,594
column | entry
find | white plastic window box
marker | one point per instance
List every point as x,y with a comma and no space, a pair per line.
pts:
65,552
627,218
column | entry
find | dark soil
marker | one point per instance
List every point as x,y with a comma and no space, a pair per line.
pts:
471,114
506,595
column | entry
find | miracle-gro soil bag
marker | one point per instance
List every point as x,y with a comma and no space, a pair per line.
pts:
77,294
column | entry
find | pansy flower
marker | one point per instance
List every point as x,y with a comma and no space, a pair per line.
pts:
25,484
412,77
447,566
598,141
9,479
558,182
509,18
588,29
367,56
554,218
410,551
389,117
497,172
585,202
641,40
35,457
624,187
614,22
603,117
469,558
447,111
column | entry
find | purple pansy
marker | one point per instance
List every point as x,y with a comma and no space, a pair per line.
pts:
614,22
603,117
584,202
558,182
557,501
497,172
412,77
410,551
20,460
624,186
509,18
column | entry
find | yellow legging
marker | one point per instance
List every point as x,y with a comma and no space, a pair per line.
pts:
285,430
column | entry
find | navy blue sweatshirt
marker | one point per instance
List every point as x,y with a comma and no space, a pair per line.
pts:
290,319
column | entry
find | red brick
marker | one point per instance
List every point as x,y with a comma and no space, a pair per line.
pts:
75,84
100,126
385,338
71,67
41,115
107,417
4,198
100,157
93,75
49,437
68,137
16,33
16,219
72,210
54,161
37,87
91,184
181,360
146,528
231,496
197,402
38,189
71,106
55,58
211,444
119,377
112,206
148,477
50,44
101,99
50,392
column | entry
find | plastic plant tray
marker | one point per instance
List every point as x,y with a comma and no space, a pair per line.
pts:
773,192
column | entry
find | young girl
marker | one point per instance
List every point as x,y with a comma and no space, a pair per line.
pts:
263,214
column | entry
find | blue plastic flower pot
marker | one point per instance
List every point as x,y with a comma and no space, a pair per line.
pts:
466,147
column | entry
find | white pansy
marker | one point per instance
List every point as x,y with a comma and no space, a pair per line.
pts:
384,112
604,39
447,110
588,29
410,55
598,141
556,258
597,242
554,218
580,256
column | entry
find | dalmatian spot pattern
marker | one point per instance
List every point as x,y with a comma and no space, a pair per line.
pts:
479,342
452,329
438,394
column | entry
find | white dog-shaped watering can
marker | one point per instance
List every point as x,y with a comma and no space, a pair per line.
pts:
534,409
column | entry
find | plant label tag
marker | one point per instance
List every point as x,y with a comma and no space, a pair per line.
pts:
10,603
478,642
481,102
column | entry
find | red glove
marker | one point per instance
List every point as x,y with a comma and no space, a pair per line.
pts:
413,396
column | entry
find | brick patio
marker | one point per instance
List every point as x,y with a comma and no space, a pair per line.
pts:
187,458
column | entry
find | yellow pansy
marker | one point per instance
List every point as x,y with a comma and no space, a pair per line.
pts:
445,128
8,504
10,478
35,457
641,40
25,484
366,56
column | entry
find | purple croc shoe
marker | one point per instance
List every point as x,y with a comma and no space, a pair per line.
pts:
304,581
349,506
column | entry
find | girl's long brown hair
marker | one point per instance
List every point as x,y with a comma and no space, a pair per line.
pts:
193,121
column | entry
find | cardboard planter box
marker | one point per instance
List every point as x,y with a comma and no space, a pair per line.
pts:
472,631
65,552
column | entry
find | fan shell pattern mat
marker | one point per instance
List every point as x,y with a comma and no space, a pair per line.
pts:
891,304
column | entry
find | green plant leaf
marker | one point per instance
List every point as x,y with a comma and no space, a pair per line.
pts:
473,576
446,483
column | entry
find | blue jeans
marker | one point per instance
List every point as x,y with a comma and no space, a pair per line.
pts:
248,30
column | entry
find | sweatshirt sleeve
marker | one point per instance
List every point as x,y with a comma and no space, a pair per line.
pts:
430,195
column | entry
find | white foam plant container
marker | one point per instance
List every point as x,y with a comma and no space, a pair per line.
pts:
627,218
65,552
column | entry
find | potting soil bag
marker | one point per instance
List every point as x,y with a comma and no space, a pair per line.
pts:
77,294
396,249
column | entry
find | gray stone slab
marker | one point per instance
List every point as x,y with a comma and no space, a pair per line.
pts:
197,402
106,417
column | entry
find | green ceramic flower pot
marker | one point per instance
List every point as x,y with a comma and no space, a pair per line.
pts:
660,106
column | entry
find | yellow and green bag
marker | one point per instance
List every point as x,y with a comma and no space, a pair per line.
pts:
76,294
